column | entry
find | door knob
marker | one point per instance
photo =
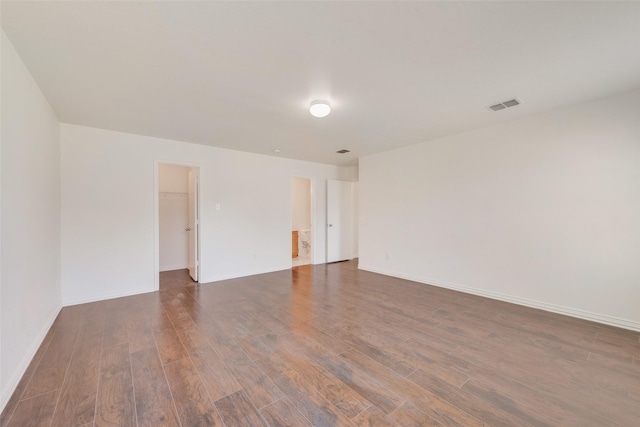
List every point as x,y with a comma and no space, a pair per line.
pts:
330,225
187,229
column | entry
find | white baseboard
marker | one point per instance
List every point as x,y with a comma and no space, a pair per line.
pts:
173,267
28,357
568,311
83,300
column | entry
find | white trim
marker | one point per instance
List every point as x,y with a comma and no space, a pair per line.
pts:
156,226
198,172
28,357
312,203
84,300
567,311
173,267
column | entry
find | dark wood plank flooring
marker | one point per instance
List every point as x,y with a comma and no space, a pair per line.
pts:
325,345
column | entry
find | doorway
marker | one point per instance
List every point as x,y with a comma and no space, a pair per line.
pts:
301,223
177,218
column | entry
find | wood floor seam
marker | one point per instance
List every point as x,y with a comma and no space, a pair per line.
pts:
361,412
66,372
41,394
173,402
95,408
133,386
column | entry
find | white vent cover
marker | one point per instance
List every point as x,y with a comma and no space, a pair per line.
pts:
505,104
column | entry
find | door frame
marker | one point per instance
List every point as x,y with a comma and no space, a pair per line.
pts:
312,201
156,217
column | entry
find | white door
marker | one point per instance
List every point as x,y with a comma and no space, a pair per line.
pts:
193,226
339,221
174,241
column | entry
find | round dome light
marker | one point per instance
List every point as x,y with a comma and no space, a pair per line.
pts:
319,108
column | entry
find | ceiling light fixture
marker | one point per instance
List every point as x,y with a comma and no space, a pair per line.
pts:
319,108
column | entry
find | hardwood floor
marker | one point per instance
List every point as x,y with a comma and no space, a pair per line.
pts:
325,345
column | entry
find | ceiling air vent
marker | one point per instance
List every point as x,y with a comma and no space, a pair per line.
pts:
343,151
506,104
511,103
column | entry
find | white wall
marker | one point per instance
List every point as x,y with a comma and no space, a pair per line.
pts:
348,173
108,218
301,203
30,217
356,204
173,216
173,178
542,211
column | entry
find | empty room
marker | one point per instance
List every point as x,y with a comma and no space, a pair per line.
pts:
316,213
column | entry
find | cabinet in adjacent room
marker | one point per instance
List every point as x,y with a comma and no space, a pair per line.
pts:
294,244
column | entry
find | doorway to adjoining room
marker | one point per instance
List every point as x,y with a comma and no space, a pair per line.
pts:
178,213
301,247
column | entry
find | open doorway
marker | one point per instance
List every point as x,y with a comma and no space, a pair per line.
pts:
301,225
177,213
